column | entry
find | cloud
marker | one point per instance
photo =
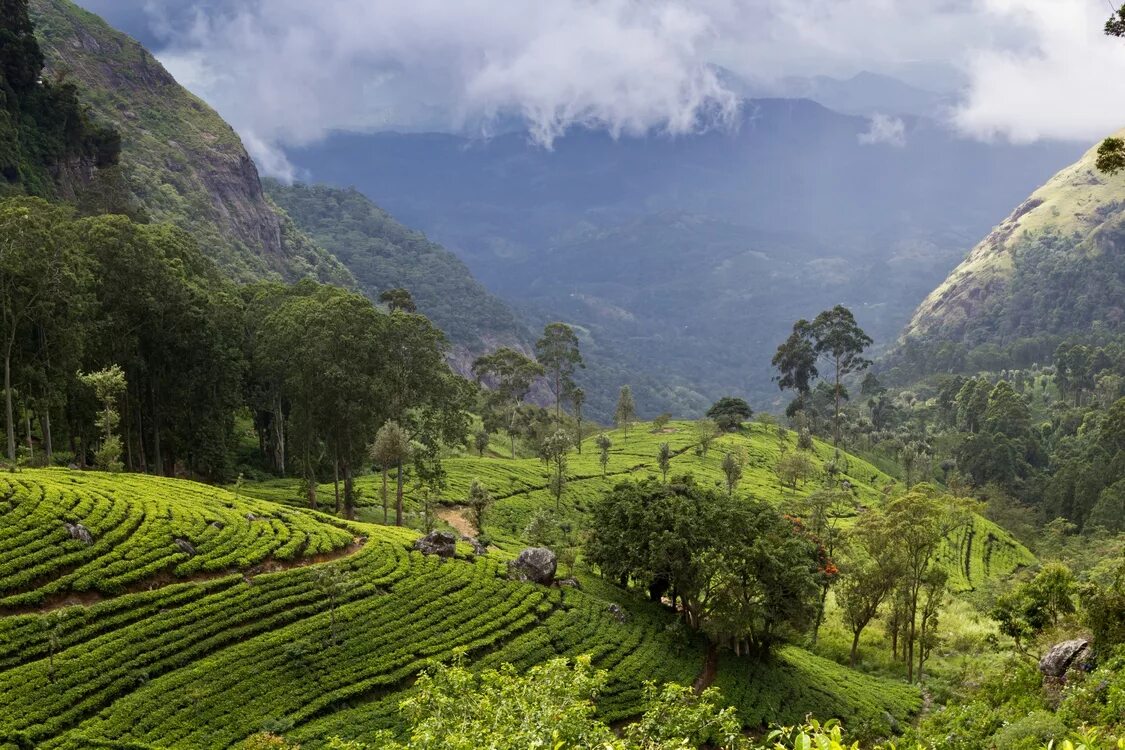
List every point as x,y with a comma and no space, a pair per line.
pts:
1067,81
884,129
290,71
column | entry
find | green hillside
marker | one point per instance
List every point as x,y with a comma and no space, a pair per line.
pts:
1053,268
180,161
383,254
208,649
975,552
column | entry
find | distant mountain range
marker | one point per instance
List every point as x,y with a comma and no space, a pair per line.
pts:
685,260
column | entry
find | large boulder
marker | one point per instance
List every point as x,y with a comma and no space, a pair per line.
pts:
1061,657
535,564
79,532
440,543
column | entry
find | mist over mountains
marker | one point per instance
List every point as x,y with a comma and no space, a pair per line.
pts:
684,259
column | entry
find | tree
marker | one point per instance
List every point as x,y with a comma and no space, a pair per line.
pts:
604,444
512,375
626,410
557,351
732,471
729,413
554,452
863,588
398,299
735,569
577,399
919,520
795,360
479,501
108,385
664,460
42,266
705,432
550,706
839,339
391,448
834,337
793,468
1026,610
480,442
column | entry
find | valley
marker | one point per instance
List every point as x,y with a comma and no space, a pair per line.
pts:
653,434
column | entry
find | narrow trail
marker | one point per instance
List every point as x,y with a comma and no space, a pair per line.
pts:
710,670
457,516
167,578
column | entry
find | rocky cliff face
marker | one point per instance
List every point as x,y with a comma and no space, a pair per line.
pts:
1069,230
180,161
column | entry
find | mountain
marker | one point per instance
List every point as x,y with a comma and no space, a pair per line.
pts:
383,254
684,261
1055,266
181,162
864,93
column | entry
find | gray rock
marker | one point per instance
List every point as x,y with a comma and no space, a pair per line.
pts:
440,543
1061,656
186,546
571,583
79,532
535,564
478,548
618,612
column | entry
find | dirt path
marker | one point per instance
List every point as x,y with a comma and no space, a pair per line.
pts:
457,516
166,578
710,669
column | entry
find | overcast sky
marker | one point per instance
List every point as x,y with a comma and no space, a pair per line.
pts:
287,72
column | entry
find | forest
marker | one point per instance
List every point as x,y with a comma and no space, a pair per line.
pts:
271,511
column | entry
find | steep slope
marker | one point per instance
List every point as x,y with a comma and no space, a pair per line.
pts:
383,254
1056,265
182,163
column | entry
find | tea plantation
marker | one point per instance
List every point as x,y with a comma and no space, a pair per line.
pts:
976,552
170,649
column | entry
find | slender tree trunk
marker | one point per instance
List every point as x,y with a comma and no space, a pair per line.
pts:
158,454
27,426
384,495
127,428
279,437
141,456
820,613
8,403
336,482
836,428
45,425
349,492
855,648
911,634
398,497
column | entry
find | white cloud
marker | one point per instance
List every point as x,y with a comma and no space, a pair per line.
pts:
886,130
1067,82
290,71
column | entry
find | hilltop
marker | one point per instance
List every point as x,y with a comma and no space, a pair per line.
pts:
1052,268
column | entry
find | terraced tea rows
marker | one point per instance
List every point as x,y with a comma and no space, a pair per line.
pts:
978,552
63,532
316,650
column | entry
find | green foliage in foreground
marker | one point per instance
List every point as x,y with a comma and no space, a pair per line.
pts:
553,706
